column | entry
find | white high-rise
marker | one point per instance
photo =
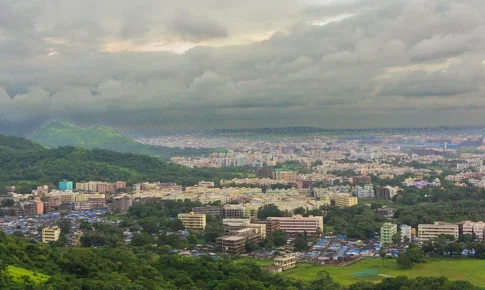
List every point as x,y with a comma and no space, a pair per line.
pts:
405,232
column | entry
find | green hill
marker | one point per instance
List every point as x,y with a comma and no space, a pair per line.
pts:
58,134
11,144
26,164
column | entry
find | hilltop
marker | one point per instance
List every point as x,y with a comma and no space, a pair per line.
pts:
12,144
27,164
57,134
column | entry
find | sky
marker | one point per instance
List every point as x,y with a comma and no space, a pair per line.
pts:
206,64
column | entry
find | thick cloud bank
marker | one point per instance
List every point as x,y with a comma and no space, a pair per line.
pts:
215,64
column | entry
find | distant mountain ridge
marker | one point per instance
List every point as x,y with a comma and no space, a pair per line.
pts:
57,134
295,131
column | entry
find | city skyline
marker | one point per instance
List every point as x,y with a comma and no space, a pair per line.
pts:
183,65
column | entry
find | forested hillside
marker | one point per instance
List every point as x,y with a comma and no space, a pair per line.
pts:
153,267
59,134
25,163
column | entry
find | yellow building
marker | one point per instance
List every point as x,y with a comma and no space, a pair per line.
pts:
285,262
50,234
428,232
345,200
285,175
83,197
193,221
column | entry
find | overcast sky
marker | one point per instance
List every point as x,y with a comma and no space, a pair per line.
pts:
204,64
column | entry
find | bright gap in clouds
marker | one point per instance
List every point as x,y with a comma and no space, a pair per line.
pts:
337,18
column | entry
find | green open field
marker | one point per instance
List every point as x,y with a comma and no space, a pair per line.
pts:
454,269
115,217
257,262
17,274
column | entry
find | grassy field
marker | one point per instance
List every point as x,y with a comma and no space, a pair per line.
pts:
115,218
17,274
454,269
257,262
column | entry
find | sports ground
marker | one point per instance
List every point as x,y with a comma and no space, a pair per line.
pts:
374,270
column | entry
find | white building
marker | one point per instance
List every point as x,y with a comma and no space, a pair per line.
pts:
478,230
405,232
365,192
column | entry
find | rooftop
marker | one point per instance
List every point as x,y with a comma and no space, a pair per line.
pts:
231,238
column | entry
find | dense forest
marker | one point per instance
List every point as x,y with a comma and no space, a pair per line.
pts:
25,164
148,267
58,134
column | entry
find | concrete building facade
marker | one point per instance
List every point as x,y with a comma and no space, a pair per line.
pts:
50,234
193,221
298,224
388,230
345,200
406,232
428,232
285,262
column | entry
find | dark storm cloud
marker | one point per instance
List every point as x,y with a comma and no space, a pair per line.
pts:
196,27
368,63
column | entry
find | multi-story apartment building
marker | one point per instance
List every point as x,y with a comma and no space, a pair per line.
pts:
65,185
105,187
234,211
53,202
345,200
39,206
231,226
285,262
50,234
122,204
193,221
120,184
364,192
406,232
478,230
93,185
99,186
466,227
428,232
149,199
97,202
213,211
82,186
28,208
388,230
272,226
82,206
298,224
236,242
232,244
385,192
56,198
285,175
